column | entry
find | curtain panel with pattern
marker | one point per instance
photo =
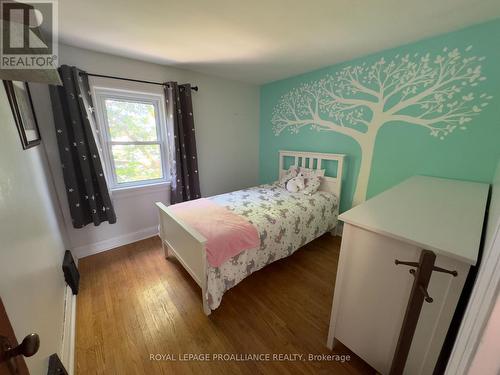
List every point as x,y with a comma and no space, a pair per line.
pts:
86,188
182,141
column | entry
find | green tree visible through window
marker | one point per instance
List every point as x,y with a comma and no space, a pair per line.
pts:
134,140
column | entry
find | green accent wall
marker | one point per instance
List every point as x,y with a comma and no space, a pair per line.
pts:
401,149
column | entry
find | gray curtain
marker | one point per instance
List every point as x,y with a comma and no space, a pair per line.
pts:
86,187
180,122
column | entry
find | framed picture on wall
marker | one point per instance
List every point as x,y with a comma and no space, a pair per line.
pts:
24,114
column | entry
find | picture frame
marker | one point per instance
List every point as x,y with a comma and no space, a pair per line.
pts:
21,104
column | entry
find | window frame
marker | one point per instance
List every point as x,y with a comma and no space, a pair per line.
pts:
101,94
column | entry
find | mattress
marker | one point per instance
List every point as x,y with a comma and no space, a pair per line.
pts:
285,222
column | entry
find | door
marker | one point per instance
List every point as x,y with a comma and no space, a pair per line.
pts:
11,355
31,247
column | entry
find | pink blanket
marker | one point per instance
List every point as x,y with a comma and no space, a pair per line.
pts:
227,233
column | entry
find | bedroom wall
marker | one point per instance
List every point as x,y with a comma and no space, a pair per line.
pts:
32,285
399,145
226,119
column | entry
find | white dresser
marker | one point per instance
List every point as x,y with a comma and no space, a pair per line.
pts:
371,291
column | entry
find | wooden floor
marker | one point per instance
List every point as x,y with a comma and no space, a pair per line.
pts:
133,303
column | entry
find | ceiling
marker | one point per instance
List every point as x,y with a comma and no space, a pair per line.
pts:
259,41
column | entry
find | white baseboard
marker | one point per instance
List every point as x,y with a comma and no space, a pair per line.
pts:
98,247
69,332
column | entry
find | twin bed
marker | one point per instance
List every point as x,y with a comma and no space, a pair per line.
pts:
284,222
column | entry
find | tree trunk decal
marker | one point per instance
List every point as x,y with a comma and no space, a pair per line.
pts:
435,92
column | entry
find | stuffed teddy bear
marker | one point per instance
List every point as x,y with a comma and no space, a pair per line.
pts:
296,184
290,173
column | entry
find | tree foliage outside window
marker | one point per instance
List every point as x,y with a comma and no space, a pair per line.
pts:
134,122
137,162
133,139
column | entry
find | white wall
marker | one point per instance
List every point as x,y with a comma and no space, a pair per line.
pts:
31,245
227,125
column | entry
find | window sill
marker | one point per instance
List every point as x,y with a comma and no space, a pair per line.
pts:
131,191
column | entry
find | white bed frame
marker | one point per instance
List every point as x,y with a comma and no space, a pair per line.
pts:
188,245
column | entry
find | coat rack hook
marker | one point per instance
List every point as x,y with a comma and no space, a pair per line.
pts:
426,294
439,269
411,264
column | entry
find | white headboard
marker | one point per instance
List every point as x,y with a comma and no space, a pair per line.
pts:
307,160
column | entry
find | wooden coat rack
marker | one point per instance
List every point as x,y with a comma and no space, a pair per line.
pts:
422,273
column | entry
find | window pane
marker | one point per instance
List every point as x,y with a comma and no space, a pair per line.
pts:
137,162
131,121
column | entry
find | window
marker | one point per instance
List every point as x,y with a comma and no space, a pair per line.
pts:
133,137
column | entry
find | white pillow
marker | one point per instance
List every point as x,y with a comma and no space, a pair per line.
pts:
311,173
312,185
290,173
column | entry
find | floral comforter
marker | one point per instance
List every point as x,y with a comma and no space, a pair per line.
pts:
285,222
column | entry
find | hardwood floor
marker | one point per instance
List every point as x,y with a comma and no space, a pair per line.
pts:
134,303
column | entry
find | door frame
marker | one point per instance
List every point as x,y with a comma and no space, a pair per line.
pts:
482,301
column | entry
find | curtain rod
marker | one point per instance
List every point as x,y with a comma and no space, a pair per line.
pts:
195,88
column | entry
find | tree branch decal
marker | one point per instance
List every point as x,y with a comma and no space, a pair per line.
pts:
437,92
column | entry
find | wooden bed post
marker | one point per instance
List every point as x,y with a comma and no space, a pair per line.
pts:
160,233
188,247
204,297
165,249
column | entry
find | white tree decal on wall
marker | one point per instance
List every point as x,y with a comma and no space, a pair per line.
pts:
434,92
